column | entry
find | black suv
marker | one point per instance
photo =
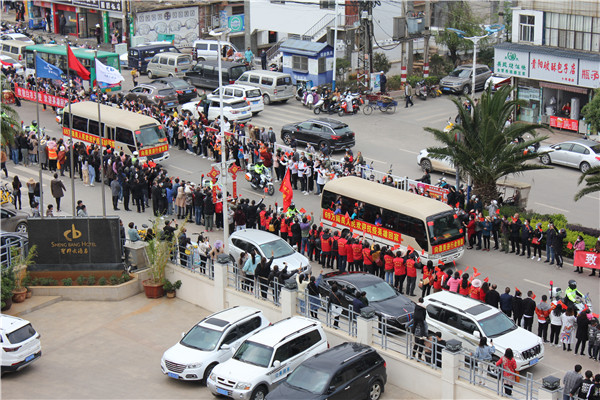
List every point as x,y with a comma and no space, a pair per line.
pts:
335,134
390,306
348,371
185,91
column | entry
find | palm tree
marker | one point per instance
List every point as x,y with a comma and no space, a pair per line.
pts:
9,126
483,146
592,182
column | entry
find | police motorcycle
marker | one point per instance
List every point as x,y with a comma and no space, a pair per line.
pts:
260,178
571,297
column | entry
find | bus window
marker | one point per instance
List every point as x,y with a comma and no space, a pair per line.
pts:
29,59
110,133
124,136
150,135
79,123
93,127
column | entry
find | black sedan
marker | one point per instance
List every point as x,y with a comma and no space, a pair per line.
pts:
185,91
334,134
390,306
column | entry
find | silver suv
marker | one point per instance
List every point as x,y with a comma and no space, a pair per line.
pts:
461,79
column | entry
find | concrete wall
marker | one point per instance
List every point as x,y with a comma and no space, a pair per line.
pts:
294,17
214,295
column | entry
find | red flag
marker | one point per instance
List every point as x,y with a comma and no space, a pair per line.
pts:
334,224
302,210
76,66
569,245
321,224
498,211
486,279
286,190
533,296
517,289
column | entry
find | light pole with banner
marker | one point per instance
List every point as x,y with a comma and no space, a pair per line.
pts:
219,33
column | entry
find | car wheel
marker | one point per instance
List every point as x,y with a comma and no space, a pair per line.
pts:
584,167
259,393
545,159
150,76
341,112
375,390
271,190
21,227
266,99
208,371
287,138
426,164
466,89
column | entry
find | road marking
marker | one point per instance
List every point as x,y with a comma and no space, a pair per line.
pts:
181,169
377,161
555,208
537,283
408,151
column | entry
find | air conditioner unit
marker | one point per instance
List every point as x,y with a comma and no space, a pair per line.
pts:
399,28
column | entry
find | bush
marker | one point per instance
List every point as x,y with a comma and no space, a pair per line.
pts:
394,82
432,80
91,280
124,278
102,281
67,282
81,280
114,280
438,65
48,282
414,79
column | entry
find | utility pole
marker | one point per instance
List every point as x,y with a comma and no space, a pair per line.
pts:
427,35
365,46
247,27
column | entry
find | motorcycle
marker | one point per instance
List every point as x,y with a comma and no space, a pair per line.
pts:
310,98
263,182
434,91
332,107
581,301
421,90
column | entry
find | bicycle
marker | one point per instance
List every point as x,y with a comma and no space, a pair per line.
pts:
6,195
383,106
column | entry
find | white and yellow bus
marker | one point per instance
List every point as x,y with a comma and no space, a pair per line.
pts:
122,130
394,218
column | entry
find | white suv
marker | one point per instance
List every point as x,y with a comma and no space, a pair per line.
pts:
20,343
210,342
466,319
251,94
264,360
234,109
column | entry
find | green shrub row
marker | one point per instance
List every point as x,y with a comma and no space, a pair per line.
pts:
81,281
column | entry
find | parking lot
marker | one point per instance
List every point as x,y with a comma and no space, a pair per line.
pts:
112,350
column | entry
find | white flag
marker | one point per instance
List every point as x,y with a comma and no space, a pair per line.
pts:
106,74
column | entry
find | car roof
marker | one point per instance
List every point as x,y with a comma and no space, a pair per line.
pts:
585,142
156,85
226,99
168,79
263,72
359,279
8,323
221,320
279,331
240,86
327,121
224,64
471,66
255,235
334,358
465,305
171,53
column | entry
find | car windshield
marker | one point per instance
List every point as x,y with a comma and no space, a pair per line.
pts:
342,130
309,379
179,84
442,227
236,72
149,135
379,291
279,247
461,73
201,338
21,334
253,93
254,353
496,325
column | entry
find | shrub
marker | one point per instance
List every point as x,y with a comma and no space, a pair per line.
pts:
102,281
414,79
67,282
81,280
432,80
394,82
124,278
91,280
48,282
114,280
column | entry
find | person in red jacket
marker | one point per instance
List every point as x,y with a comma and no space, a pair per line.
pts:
357,255
350,254
438,280
475,289
464,288
411,274
367,259
325,248
388,265
341,264
399,272
427,279
284,229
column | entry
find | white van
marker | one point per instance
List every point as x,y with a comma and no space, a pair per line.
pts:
169,64
205,49
249,93
276,86
14,49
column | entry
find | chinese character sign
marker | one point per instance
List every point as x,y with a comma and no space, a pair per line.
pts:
589,73
510,62
551,68
587,259
44,98
564,123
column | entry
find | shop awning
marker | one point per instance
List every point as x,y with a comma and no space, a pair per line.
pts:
572,89
549,50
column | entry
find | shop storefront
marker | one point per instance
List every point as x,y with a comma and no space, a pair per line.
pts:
40,13
82,16
555,84
88,19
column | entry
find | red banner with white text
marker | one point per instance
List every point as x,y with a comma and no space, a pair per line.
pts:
43,98
586,259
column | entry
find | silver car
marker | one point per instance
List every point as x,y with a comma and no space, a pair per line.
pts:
266,243
461,79
13,220
581,154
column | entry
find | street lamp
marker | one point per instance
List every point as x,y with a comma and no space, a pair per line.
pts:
218,33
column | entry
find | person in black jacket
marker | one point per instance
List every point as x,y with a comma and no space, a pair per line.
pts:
138,195
528,311
557,246
517,307
526,234
126,187
493,297
515,234
550,235
209,211
155,193
263,271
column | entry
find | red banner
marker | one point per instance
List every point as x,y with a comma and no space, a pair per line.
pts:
43,98
440,248
365,227
564,123
435,192
587,259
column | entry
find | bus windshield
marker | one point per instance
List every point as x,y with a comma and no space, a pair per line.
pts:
149,135
443,226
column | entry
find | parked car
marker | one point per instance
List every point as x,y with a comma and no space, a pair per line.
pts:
250,94
7,60
265,243
234,109
265,359
169,64
580,153
275,86
431,164
20,343
467,320
460,80
335,134
211,342
349,371
17,36
390,306
497,81
185,91
13,220
205,74
153,94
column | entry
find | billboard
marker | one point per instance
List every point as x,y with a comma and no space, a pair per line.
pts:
75,244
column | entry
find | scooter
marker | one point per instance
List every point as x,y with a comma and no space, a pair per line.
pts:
264,182
421,90
310,98
350,105
331,108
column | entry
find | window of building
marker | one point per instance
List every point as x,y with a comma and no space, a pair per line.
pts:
322,65
527,25
300,63
576,32
327,4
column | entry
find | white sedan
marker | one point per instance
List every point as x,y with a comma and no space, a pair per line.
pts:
580,153
431,164
16,36
6,60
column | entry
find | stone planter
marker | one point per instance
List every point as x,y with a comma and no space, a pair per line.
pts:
153,290
19,295
29,294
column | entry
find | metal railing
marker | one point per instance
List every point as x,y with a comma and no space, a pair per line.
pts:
11,250
274,50
195,262
260,288
321,24
497,379
319,308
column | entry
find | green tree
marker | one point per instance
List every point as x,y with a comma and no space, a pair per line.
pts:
483,145
9,126
381,63
591,112
460,16
592,182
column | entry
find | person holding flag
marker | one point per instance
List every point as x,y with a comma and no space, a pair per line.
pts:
286,190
